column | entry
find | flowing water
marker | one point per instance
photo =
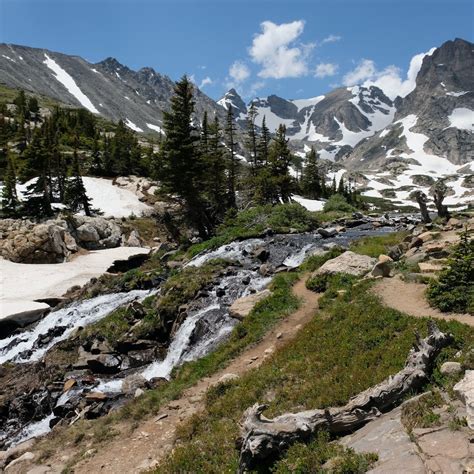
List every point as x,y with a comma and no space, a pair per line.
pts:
206,325
32,344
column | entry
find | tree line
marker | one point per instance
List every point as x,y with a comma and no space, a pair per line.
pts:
197,162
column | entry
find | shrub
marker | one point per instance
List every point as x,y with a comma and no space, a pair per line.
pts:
454,290
337,202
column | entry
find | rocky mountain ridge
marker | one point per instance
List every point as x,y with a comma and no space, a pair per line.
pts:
107,88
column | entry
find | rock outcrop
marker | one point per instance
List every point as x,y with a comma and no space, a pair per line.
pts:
53,241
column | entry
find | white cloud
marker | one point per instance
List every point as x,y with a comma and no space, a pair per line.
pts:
364,70
388,79
205,82
273,50
331,39
239,72
192,78
325,70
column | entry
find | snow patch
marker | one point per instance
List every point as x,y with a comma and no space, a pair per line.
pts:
156,128
310,204
131,125
303,103
8,57
68,82
462,118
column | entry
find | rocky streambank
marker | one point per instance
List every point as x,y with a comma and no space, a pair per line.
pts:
133,341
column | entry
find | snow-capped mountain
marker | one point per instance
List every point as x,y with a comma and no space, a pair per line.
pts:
107,88
391,147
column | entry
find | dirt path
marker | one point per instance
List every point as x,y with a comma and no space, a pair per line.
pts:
154,438
410,298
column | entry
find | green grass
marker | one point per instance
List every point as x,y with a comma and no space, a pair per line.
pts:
354,344
419,412
250,331
252,223
373,246
178,289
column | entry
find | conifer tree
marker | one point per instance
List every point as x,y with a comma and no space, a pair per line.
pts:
10,201
232,166
216,177
96,158
252,135
311,181
279,156
38,202
181,169
264,143
75,196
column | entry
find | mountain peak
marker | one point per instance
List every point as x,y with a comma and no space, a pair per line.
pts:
111,64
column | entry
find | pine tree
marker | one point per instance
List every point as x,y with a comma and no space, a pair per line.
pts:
75,196
96,158
10,201
38,202
216,174
252,135
181,170
263,143
311,181
279,157
232,166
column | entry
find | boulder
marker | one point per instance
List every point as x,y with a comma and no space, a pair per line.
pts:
241,307
327,232
464,390
382,267
261,253
430,267
229,377
348,262
134,239
450,368
132,383
87,233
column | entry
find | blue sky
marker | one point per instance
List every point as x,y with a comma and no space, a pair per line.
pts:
293,48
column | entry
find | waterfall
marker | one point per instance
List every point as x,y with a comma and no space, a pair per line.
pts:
26,346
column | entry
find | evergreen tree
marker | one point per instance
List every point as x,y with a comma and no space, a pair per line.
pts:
97,166
38,202
252,135
279,157
75,196
10,202
181,170
264,143
232,166
216,174
311,181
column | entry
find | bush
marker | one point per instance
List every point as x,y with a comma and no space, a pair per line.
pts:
454,290
337,202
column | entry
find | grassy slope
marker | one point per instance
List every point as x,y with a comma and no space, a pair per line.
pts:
354,343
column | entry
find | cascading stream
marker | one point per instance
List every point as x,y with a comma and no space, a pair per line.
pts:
32,344
206,325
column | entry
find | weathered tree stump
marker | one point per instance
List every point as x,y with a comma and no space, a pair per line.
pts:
263,440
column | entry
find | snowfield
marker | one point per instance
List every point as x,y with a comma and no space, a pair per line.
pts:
309,204
22,283
70,84
112,201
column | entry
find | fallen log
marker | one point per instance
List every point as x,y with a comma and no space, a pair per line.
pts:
263,440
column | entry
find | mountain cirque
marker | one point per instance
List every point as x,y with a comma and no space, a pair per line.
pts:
389,146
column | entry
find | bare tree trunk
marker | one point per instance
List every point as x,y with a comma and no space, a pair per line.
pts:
263,440
438,196
421,200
